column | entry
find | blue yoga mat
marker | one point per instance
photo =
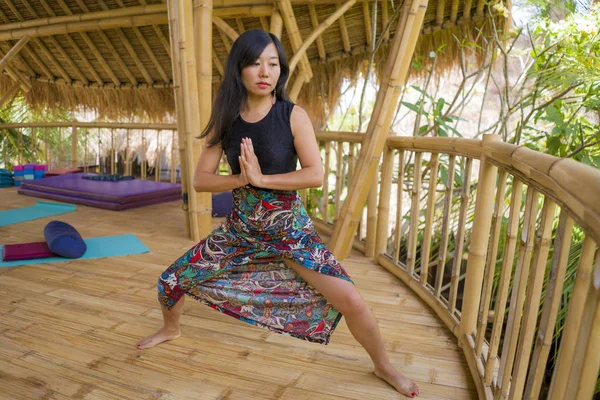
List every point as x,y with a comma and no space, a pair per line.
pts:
41,209
99,247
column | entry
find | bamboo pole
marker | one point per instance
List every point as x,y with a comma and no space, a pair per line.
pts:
228,30
157,162
371,220
172,173
443,253
383,211
33,145
393,79
300,79
240,25
460,236
74,146
13,51
517,298
150,54
317,32
203,15
276,24
343,29
479,237
325,198
101,60
264,23
490,266
480,8
411,251
142,156
47,147
585,375
339,178
566,354
398,236
453,13
533,296
315,24
85,152
180,110
426,248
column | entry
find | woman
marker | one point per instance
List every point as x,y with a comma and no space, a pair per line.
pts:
265,264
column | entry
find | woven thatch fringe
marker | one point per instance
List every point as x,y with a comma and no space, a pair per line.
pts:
320,94
156,105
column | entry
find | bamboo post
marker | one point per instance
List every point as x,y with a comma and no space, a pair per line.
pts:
203,14
566,355
339,178
533,296
33,144
157,162
411,252
173,153
5,147
398,236
371,220
443,253
517,299
85,152
325,198
47,146
585,374
426,248
74,146
383,211
128,169
393,79
276,24
300,79
225,28
490,266
287,12
479,242
143,155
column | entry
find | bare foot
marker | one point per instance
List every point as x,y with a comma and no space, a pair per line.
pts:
401,383
162,335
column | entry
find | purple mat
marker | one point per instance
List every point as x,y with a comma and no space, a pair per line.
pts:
107,205
121,192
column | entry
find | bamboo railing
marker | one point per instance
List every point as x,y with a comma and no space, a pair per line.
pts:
455,218
78,145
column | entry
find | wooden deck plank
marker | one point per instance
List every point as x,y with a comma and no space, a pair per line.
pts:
69,329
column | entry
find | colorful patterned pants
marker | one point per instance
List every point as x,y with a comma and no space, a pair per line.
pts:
239,268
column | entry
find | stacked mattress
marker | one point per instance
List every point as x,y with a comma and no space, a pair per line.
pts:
120,195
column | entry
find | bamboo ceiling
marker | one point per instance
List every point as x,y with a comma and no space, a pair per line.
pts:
114,55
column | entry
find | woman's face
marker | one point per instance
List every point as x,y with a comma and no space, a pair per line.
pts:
261,77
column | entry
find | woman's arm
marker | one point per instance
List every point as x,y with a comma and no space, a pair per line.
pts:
205,177
311,173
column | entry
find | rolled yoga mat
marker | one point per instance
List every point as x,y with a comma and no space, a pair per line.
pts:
98,247
41,209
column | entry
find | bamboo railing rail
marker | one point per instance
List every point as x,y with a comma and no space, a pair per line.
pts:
455,217
82,147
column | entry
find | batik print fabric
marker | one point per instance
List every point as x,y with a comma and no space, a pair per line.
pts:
239,268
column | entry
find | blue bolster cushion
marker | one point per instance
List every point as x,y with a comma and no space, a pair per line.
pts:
64,240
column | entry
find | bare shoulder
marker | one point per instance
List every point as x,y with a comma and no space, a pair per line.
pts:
300,121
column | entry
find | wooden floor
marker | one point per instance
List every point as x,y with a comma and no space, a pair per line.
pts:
68,330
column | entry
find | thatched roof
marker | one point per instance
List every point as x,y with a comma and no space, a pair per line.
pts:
114,55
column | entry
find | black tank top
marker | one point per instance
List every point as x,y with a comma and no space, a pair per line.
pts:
272,140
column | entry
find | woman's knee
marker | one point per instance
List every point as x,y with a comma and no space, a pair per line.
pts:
351,303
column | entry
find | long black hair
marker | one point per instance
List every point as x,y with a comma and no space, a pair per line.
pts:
232,94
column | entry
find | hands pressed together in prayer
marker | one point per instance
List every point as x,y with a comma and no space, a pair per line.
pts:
250,172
